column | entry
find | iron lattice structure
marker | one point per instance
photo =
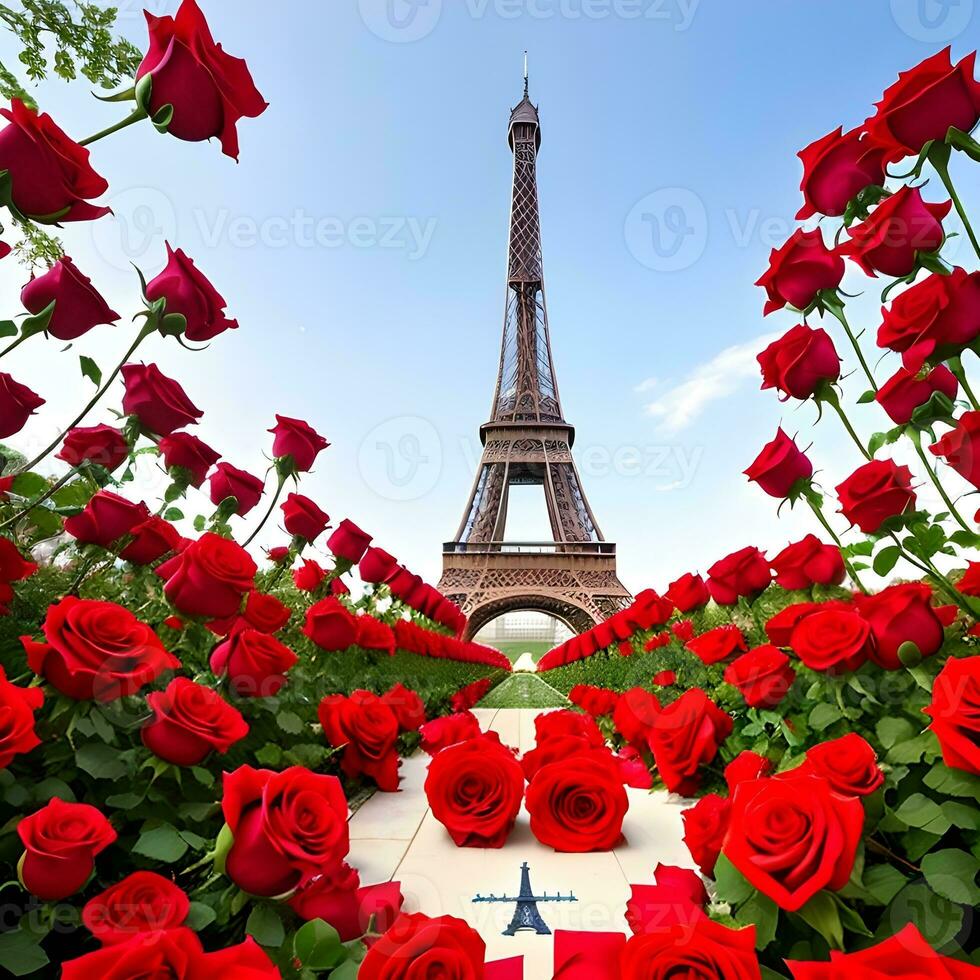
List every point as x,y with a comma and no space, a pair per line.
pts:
526,914
528,442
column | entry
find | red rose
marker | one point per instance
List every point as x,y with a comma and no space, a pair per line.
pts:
367,729
330,626
780,627
107,517
255,662
475,790
833,640
658,641
50,176
808,562
904,391
688,593
705,826
799,270
849,764
297,439
793,837
408,707
800,362
96,650
99,444
961,447
181,450
287,826
897,229
349,542
61,841
578,803
683,630
685,736
280,554
555,750
152,539
836,168
440,733
763,676
189,721
266,613
17,404
208,89
901,614
700,948
718,644
209,577
13,565
742,573
377,566
875,492
934,319
924,103
229,481
634,715
17,707
78,307
302,518
159,402
467,697
563,723
446,948
780,466
746,765
955,713
143,902
665,678
679,896
372,634
597,701
309,576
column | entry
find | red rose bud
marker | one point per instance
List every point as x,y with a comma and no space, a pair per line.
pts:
278,554
330,626
901,614
50,176
665,678
99,444
309,576
348,542
302,518
901,226
717,644
13,565
377,566
209,577
157,401
17,708
408,707
742,573
808,562
448,730
142,903
78,307
705,826
107,517
798,271
17,404
875,492
780,466
934,319
229,481
848,763
747,765
188,453
961,447
924,103
836,168
338,587
255,663
954,710
266,613
189,293
208,89
763,676
688,593
904,391
799,362
374,635
152,539
298,440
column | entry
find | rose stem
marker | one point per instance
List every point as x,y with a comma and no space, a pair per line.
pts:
275,499
916,438
940,163
932,572
134,117
956,366
837,309
851,570
53,489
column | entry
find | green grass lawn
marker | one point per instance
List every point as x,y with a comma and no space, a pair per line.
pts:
524,691
514,648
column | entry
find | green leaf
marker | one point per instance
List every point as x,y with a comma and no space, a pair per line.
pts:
100,761
763,913
911,750
90,370
269,755
891,731
8,328
29,485
952,873
173,514
938,919
919,811
884,882
952,782
961,815
866,397
200,916
886,559
317,945
265,926
732,886
290,722
162,843
822,914
823,716
21,953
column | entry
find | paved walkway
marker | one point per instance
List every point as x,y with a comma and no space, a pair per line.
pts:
394,836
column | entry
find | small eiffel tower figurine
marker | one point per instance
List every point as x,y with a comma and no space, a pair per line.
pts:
526,914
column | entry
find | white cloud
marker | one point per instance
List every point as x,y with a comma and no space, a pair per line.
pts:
681,404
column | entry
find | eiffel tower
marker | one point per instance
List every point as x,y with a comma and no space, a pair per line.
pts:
528,442
526,914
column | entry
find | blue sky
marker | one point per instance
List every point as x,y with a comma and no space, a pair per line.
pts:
361,244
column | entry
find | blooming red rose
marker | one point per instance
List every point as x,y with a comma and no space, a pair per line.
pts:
683,630
255,662
61,841
679,896
287,826
367,729
408,707
107,517
578,803
665,678
78,306
372,634
849,764
836,168
475,790
143,902
17,707
960,447
266,613
330,626
229,481
151,539
702,948
924,103
209,89
780,627
793,837
685,736
718,644
298,439
897,229
445,947
746,765
99,444
901,614
905,391
50,175
875,492
13,565
17,404
302,518
705,826
808,562
159,402
780,466
209,577
309,577
799,362
833,640
349,542
742,573
688,593
377,566
190,721
799,270
634,715
555,748
440,733
96,650
763,676
955,713
181,450
597,701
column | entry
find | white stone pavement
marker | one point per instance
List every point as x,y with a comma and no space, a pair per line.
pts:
395,837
